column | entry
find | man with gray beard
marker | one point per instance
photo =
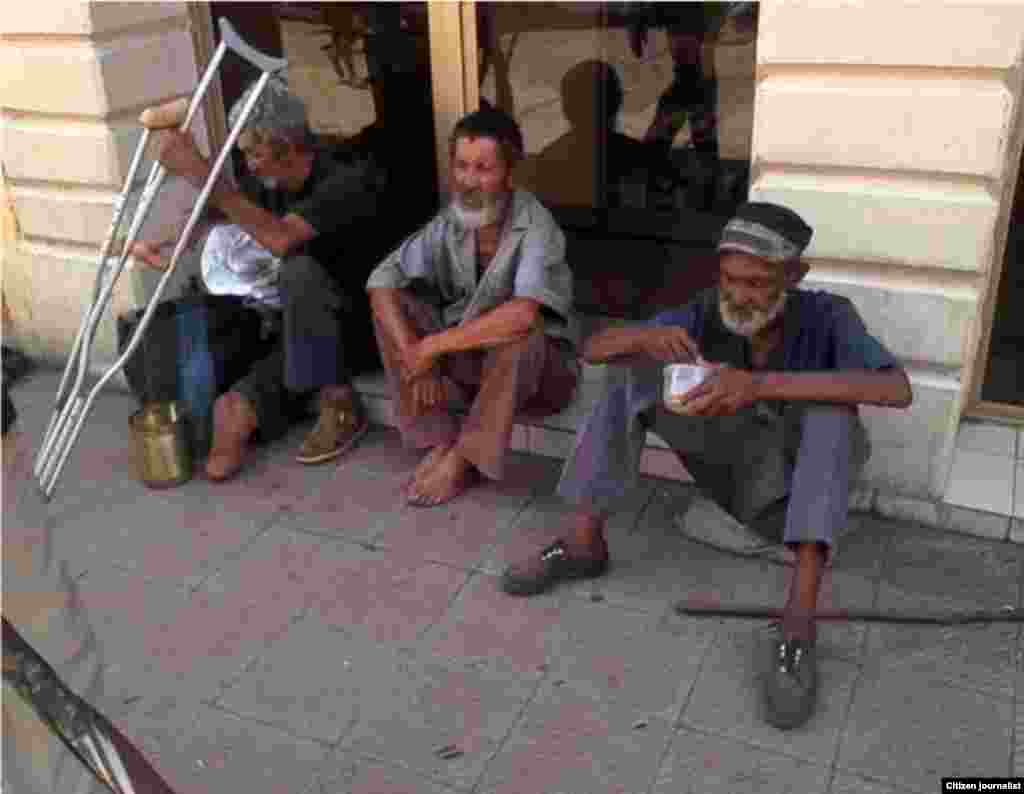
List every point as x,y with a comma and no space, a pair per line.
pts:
773,435
473,316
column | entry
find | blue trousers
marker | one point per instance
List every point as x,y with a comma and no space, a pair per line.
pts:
787,474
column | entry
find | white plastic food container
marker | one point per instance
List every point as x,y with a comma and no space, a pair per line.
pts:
681,378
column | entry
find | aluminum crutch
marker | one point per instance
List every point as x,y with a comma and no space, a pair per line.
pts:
105,250
72,415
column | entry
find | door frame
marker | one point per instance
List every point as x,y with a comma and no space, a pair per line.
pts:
980,340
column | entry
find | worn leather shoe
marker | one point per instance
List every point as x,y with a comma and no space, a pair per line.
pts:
342,422
554,564
790,684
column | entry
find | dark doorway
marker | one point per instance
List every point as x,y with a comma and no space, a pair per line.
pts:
1004,375
637,120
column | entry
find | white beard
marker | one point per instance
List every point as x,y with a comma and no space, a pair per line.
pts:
756,322
473,218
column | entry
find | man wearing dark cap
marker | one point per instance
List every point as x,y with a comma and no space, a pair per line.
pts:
773,435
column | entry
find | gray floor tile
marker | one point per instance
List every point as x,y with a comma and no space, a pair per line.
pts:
406,718
315,693
702,764
976,572
980,657
1018,749
855,784
200,749
913,731
987,437
130,617
352,774
727,696
578,745
626,658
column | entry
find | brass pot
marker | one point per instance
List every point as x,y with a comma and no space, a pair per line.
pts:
163,456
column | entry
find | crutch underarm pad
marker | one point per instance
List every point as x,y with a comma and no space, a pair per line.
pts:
169,114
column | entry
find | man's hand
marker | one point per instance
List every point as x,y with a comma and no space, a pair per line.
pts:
418,359
725,392
177,153
427,393
670,344
149,253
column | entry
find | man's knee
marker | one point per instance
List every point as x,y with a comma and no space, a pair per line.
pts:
301,275
526,347
827,420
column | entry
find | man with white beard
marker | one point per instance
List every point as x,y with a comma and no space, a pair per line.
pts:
773,435
473,315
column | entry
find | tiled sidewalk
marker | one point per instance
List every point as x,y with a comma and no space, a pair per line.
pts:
302,630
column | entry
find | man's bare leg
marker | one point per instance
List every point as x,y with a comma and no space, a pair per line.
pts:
798,621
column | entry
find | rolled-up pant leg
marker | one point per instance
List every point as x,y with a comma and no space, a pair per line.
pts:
533,372
431,428
312,311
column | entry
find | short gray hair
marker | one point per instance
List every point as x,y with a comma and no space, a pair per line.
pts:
279,116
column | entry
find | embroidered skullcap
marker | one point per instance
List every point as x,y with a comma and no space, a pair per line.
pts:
767,231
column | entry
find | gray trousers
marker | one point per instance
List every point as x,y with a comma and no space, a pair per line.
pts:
788,476
310,353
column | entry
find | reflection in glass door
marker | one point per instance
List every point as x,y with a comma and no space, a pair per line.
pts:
637,119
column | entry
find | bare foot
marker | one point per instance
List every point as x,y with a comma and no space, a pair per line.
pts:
449,479
426,465
234,421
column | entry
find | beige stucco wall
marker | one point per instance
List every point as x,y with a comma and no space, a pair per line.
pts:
76,75
888,125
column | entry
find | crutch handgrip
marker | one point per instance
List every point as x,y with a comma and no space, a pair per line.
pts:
169,114
265,63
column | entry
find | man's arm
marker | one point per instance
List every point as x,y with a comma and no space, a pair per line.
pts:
512,320
280,236
890,387
732,389
625,345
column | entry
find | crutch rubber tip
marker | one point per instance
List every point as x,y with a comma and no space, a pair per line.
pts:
169,114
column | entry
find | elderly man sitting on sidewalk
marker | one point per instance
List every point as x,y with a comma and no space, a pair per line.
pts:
304,232
773,436
474,311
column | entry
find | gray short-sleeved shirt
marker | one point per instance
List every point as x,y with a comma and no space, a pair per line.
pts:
530,263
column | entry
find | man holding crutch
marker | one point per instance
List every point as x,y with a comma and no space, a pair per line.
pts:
313,225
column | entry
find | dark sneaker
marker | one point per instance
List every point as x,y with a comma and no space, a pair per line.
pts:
790,685
554,564
341,424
